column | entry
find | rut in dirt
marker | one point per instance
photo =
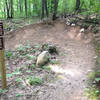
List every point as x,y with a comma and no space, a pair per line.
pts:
77,57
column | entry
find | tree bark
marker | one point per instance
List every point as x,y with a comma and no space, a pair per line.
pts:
7,8
12,13
77,5
26,8
30,8
4,12
42,10
20,6
17,5
46,8
55,9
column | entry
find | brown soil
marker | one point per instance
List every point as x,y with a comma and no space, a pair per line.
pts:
76,57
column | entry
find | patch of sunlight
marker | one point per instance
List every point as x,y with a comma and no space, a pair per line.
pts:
60,77
58,69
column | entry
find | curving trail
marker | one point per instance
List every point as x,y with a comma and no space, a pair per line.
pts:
77,57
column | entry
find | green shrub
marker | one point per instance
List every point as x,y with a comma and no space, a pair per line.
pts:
35,80
9,54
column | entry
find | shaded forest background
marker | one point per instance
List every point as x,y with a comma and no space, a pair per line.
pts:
42,8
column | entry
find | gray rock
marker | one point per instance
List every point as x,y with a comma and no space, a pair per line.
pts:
43,58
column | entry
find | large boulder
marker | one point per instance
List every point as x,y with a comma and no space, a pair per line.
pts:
43,58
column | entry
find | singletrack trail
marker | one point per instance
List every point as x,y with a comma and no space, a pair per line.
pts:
76,58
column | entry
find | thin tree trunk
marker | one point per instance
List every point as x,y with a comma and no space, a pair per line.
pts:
42,10
55,9
20,6
46,8
11,1
4,12
29,7
7,8
17,5
77,5
26,8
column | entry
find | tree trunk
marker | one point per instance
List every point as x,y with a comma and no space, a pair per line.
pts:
30,8
42,10
77,5
17,5
55,9
4,12
7,8
46,8
20,6
11,1
26,8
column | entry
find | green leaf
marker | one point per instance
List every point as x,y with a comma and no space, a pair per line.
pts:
16,73
47,68
13,73
97,79
19,95
28,71
35,80
3,90
30,57
8,54
18,80
9,75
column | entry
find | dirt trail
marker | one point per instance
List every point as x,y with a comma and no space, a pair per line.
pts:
77,58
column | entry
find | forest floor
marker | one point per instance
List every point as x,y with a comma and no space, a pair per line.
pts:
67,79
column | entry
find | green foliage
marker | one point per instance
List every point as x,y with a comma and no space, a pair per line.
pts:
54,62
18,80
3,91
30,57
87,7
98,60
92,93
22,51
17,72
97,79
32,66
37,46
47,68
21,48
91,75
98,48
9,54
19,95
28,71
35,80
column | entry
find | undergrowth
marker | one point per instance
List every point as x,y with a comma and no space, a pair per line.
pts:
22,70
93,92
